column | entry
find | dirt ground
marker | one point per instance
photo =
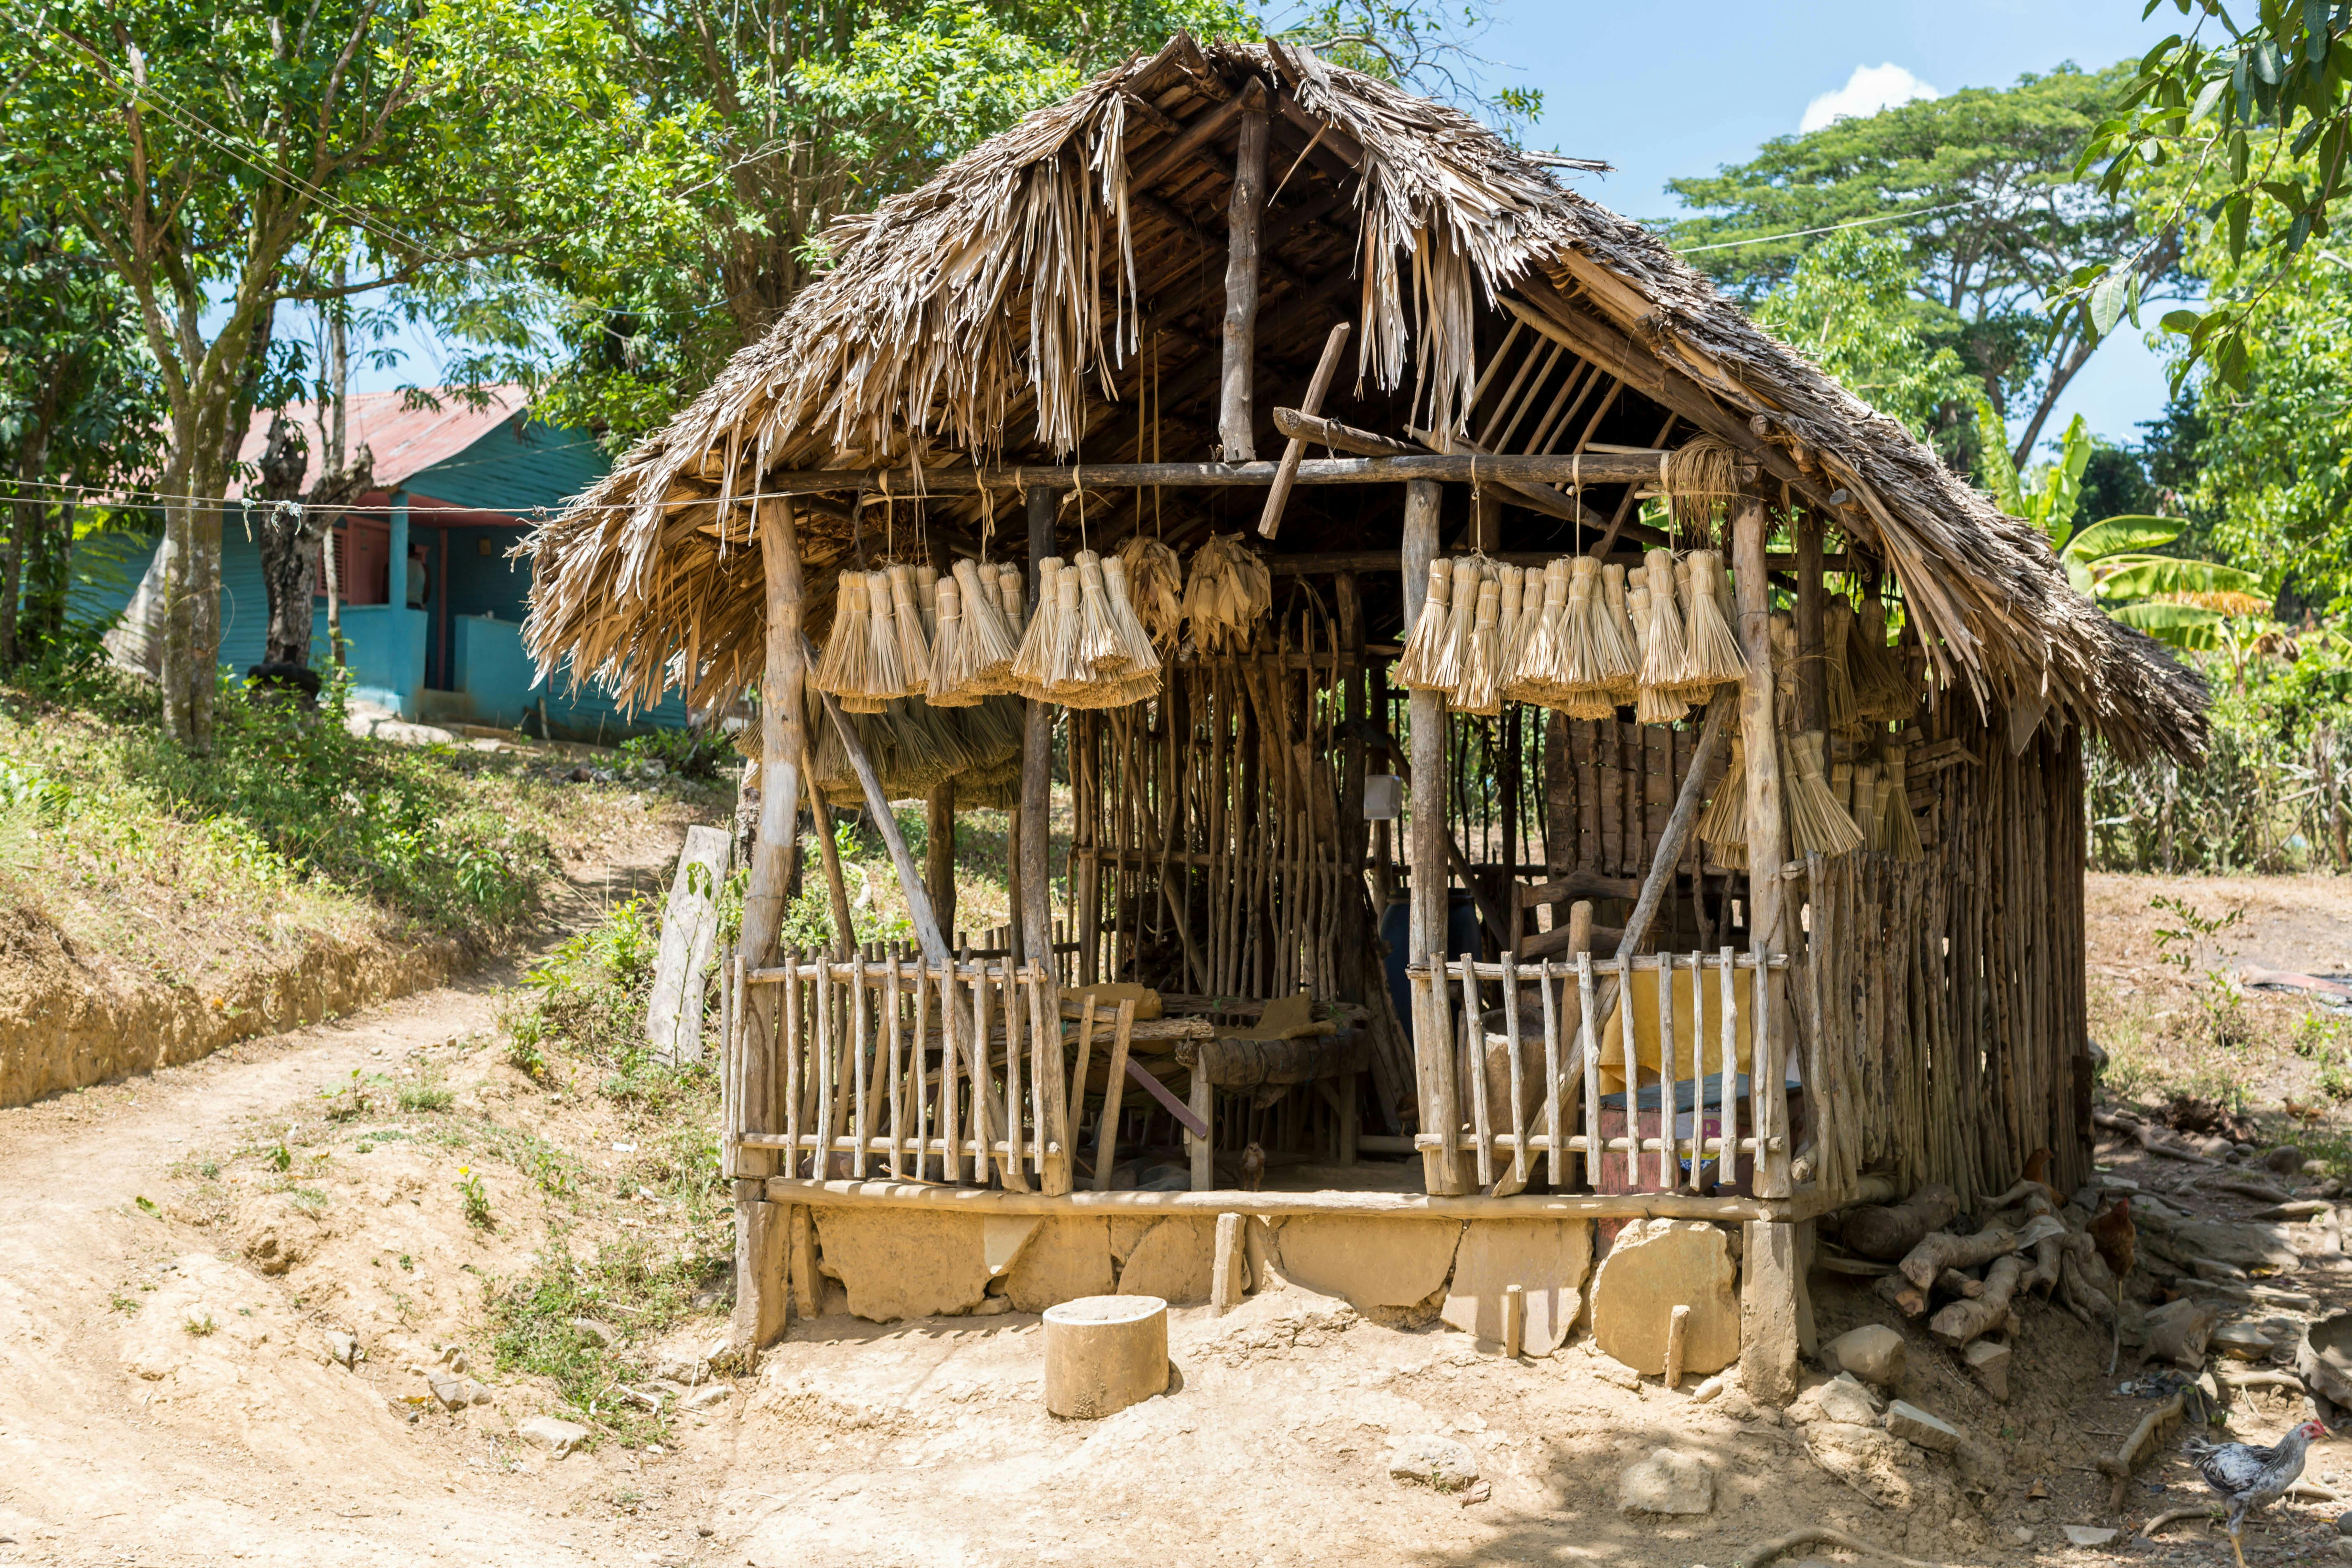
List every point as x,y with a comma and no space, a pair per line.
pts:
165,1400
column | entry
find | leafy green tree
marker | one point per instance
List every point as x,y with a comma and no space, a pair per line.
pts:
1983,189
2245,123
1847,303
222,157
78,410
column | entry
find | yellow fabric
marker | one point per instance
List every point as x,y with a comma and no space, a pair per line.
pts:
1290,1017
1644,993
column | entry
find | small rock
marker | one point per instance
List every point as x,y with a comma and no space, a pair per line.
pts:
2333,1188
2344,1524
1990,1361
2241,1341
1713,1386
562,1437
601,1332
341,1348
1616,1373
2214,1268
2286,1160
2219,1148
1873,1352
1666,1482
1476,1492
2343,1547
2314,1169
704,1530
1842,1399
2023,1535
1913,1425
2090,1535
705,1398
679,1369
1433,1461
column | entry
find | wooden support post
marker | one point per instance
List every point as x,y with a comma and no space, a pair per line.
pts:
1678,1332
938,852
759,1309
800,1257
1203,1145
1514,1319
1035,914
1769,1285
1768,835
1812,674
760,1264
1225,1282
1441,1109
1236,400
1312,405
845,928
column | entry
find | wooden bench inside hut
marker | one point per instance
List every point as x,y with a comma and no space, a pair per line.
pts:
1531,745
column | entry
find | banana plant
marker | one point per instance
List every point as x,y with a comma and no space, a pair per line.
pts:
2114,561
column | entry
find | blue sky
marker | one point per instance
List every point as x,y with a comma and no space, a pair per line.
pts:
1662,93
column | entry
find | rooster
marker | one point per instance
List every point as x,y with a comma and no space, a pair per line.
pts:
2249,1478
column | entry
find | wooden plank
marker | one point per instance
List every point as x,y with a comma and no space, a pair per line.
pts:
973,1200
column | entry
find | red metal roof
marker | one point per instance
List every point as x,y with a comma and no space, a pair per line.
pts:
405,441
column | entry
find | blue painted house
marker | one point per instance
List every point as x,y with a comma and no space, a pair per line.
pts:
432,606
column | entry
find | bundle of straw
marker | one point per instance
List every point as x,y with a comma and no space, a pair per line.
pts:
914,643
949,686
1702,475
1900,835
1042,650
1421,666
1659,689
1837,622
1880,691
1723,826
1534,672
1867,816
1816,823
1616,644
1155,582
841,669
1587,680
982,658
1141,679
1229,592
885,672
1508,629
1479,691
1714,649
1784,669
1469,573
927,596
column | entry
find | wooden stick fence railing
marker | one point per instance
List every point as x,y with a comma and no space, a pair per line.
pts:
891,1066
1457,1035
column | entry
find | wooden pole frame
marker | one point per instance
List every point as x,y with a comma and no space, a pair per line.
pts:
1427,842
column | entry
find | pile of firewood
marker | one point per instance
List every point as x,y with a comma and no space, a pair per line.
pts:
1974,1282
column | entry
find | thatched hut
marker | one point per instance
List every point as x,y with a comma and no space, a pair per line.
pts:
1233,296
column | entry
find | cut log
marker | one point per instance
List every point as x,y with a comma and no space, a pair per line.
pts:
1961,1321
2118,1467
689,931
1104,1353
1887,1232
1245,1063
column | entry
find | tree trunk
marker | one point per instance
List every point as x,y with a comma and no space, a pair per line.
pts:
28,514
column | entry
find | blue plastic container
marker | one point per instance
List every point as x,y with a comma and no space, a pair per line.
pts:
1396,930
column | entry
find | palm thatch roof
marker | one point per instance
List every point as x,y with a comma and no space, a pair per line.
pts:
1055,294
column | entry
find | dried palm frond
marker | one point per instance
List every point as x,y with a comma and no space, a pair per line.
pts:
1421,666
1476,692
914,646
1229,590
1816,823
1881,692
1723,826
1716,657
1155,580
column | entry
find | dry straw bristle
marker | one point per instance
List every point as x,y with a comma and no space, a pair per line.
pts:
1881,692
1616,642
1837,622
1135,642
1033,666
914,644
1533,674
1658,694
1477,692
841,669
1816,823
1716,659
1469,572
1867,816
983,661
1070,679
950,682
1422,665
1155,582
926,596
1723,826
1099,651
1901,836
1702,475
885,675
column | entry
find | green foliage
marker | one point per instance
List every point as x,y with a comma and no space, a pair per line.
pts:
689,753
199,1325
1847,303
474,1199
2049,501
2271,792
286,798
425,1093
1980,187
2248,120
346,1102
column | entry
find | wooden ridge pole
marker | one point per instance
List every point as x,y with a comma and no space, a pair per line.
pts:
1236,399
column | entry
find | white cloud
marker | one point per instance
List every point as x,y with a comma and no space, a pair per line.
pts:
1869,89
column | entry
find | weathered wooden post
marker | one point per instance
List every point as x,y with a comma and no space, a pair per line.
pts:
1769,1276
761,1228
1237,401
1035,915
1441,1112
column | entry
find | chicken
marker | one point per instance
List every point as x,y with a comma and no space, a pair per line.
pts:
2304,1110
2037,1171
2113,1232
1253,1168
2250,1479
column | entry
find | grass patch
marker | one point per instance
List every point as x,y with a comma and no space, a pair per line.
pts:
426,1093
